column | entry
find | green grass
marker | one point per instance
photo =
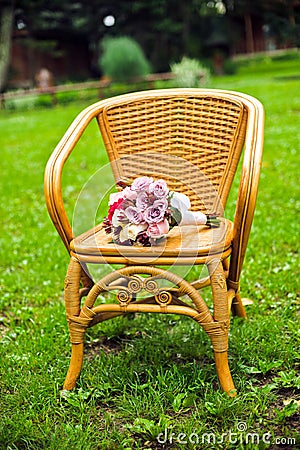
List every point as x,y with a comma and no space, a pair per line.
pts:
147,374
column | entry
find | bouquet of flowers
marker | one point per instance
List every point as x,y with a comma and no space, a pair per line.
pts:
144,212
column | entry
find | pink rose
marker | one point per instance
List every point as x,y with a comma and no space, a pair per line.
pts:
129,194
158,230
134,215
115,197
141,183
159,188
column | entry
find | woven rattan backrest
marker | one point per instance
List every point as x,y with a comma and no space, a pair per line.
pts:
191,138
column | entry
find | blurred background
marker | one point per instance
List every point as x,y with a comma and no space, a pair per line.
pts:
71,38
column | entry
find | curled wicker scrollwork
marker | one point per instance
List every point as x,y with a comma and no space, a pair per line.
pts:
131,281
135,284
151,286
124,296
163,297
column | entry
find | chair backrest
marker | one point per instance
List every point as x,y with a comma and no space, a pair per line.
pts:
190,137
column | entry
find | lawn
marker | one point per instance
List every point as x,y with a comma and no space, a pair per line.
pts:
148,382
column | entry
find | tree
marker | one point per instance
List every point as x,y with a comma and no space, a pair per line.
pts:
280,16
245,10
283,18
167,30
6,26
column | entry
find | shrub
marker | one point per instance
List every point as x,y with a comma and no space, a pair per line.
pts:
22,104
230,67
123,58
67,97
190,73
44,101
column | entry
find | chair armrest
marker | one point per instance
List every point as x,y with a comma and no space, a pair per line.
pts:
248,185
54,168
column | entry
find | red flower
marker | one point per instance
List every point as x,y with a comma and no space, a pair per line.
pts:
113,207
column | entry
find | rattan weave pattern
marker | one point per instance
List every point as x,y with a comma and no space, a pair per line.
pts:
188,141
193,139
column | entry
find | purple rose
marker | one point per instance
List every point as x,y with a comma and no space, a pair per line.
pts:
161,203
155,213
159,188
133,215
141,183
142,201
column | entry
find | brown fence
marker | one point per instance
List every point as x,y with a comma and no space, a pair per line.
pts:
100,85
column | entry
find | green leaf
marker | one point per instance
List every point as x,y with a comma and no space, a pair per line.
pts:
176,216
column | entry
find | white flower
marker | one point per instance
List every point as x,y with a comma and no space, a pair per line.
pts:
130,231
118,218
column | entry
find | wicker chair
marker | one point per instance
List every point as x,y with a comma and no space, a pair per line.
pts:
193,138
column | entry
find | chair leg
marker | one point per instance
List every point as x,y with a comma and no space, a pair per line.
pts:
75,366
237,307
77,326
216,327
223,372
219,332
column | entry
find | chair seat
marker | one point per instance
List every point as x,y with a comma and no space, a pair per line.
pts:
184,245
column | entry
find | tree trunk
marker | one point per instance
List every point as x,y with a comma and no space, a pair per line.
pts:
6,26
249,33
186,19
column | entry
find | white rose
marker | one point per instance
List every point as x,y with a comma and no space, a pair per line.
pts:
116,218
130,231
